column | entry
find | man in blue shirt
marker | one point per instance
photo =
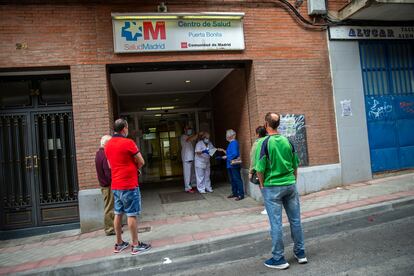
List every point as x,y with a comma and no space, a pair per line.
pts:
233,165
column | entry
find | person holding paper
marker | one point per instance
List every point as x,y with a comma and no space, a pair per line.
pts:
203,150
233,165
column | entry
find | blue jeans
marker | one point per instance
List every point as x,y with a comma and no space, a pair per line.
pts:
128,202
236,182
274,197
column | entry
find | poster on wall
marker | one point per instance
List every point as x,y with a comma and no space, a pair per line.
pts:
293,127
346,108
177,32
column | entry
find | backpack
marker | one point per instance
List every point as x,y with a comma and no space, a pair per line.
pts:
264,151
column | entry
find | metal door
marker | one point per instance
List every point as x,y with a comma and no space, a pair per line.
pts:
38,169
16,165
388,78
54,167
38,178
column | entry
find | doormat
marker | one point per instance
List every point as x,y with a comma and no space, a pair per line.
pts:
176,197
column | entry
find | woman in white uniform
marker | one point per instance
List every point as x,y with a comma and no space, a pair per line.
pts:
202,163
187,156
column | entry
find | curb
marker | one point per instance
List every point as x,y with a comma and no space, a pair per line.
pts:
156,256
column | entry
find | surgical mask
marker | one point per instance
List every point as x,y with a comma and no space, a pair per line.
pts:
206,140
189,131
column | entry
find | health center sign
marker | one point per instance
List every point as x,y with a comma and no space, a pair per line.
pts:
176,33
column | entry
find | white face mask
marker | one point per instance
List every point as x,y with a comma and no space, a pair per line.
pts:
206,140
189,131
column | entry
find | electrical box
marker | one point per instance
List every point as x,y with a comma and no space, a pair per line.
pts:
316,7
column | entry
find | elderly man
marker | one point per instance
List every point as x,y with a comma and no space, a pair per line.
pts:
233,165
277,172
104,177
125,159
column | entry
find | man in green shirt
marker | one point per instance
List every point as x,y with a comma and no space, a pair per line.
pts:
277,171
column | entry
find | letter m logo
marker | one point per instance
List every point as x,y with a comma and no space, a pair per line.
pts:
151,33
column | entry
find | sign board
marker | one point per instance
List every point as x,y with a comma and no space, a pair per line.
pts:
167,35
370,32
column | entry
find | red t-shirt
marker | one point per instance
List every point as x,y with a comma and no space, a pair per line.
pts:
120,153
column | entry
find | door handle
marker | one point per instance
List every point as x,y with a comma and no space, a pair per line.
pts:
29,162
36,161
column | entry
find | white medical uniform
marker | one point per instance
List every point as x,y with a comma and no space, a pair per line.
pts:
187,156
202,167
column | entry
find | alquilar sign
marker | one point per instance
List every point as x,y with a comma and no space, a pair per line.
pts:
167,32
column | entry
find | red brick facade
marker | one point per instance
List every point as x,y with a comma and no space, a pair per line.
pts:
289,72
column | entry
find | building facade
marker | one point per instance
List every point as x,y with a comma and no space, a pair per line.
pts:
63,83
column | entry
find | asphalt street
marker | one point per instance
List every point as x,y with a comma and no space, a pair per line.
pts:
386,248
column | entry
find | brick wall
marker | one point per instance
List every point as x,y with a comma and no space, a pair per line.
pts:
92,117
282,87
289,73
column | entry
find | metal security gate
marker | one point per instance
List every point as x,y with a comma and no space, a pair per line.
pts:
388,78
37,163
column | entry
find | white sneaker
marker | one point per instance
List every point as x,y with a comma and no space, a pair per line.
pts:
202,192
209,191
302,260
264,212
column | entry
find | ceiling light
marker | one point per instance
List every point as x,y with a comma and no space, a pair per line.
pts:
153,108
158,115
159,108
187,81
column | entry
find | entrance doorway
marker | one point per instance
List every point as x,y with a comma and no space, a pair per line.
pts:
158,100
37,152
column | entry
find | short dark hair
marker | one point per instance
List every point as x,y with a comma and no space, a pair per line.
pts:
272,119
120,124
261,131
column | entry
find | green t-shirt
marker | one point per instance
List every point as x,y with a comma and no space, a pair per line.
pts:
259,143
279,170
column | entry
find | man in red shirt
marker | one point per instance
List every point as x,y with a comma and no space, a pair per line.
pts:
125,159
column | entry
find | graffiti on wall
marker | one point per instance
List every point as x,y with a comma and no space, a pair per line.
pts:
379,108
293,127
407,106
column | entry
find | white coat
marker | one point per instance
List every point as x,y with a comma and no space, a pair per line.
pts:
187,156
202,167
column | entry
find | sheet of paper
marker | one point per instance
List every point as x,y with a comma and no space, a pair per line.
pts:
212,151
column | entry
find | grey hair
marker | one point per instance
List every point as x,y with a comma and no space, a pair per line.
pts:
105,140
230,133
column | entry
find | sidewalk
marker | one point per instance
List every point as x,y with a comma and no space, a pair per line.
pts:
26,254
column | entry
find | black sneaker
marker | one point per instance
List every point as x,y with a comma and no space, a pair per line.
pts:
140,247
278,264
119,247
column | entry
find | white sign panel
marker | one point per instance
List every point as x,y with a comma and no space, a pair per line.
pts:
370,32
164,35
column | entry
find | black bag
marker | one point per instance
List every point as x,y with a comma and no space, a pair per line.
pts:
254,179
